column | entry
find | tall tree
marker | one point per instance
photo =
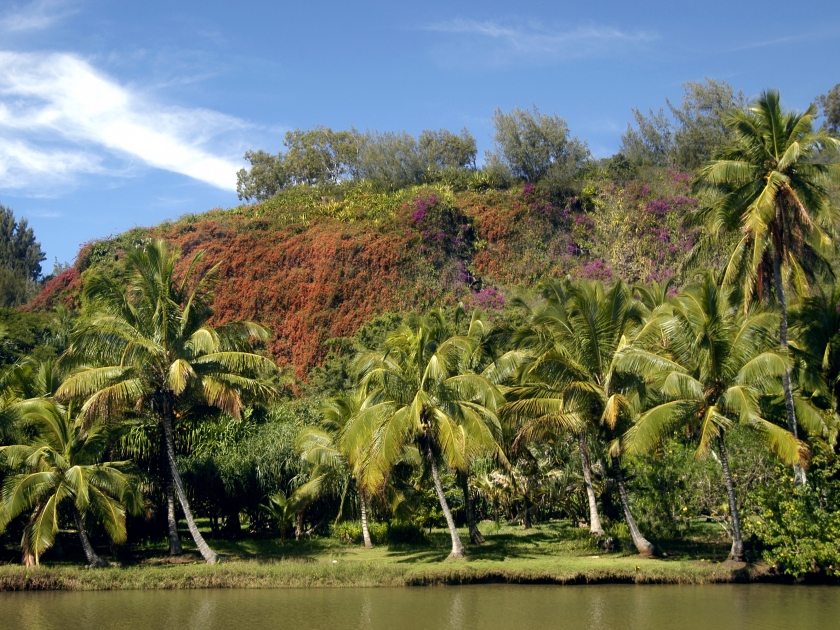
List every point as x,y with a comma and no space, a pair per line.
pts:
147,343
711,372
770,185
418,390
534,145
20,259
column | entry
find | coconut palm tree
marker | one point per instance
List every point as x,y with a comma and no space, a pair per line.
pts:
59,467
420,391
147,344
570,385
715,367
770,187
815,327
336,450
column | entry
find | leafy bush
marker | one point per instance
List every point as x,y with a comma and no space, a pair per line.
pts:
798,529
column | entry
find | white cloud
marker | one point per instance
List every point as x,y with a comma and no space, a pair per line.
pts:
37,15
47,98
493,43
23,166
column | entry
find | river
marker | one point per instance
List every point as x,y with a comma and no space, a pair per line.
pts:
611,607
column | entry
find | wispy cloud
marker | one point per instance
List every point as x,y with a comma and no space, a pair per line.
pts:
24,166
491,43
58,109
35,15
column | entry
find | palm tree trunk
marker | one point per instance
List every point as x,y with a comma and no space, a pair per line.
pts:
208,554
458,550
365,530
175,548
29,559
643,545
90,554
299,524
737,552
526,512
798,472
595,527
475,535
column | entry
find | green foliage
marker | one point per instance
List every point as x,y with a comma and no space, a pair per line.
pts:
799,527
671,490
532,145
29,335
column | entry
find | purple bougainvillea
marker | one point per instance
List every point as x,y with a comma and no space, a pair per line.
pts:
421,207
489,298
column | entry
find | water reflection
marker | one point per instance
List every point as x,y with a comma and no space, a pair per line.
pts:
725,607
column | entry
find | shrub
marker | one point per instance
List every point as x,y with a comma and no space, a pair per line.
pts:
798,529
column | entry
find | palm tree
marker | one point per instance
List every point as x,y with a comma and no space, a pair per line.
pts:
419,390
336,449
815,324
284,510
147,344
713,371
770,186
61,466
570,385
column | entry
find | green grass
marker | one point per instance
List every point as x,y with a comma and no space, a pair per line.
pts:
548,553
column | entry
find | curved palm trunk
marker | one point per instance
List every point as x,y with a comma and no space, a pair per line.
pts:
458,550
175,548
595,527
798,472
643,545
90,554
365,529
208,554
475,534
737,552
28,559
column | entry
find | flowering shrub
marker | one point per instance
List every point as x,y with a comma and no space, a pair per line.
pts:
313,264
595,270
489,298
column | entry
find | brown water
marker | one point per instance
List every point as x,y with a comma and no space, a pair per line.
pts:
486,607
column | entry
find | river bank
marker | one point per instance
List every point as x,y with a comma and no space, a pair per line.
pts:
362,573
550,553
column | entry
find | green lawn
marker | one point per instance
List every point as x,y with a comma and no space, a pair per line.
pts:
548,553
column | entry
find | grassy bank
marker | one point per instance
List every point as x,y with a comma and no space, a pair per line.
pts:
548,554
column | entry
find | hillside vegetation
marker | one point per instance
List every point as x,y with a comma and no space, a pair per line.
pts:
314,264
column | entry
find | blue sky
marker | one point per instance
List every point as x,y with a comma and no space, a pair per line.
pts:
116,114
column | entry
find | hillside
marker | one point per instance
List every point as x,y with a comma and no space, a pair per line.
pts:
313,264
